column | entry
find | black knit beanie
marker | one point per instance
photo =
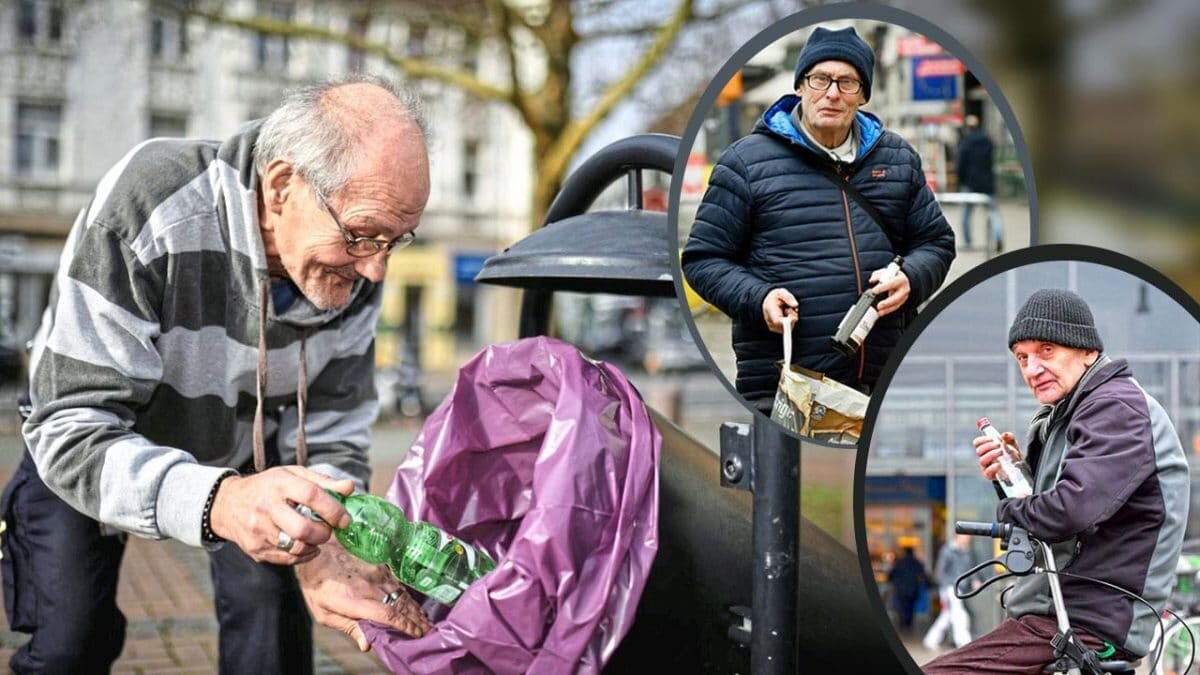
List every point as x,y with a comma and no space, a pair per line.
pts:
1058,316
837,45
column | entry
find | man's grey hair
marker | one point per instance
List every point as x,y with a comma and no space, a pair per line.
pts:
317,139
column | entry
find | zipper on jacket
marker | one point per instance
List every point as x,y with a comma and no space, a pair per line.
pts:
862,352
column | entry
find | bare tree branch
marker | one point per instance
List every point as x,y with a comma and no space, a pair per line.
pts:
545,108
561,19
416,68
649,27
560,152
502,16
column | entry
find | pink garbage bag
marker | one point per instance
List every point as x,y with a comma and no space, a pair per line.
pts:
549,461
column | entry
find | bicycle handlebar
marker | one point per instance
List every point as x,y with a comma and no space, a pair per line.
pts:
981,529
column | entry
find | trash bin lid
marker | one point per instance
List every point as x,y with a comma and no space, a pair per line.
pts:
619,252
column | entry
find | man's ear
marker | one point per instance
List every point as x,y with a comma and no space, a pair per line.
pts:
278,185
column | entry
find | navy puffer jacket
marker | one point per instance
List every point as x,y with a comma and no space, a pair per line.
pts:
770,219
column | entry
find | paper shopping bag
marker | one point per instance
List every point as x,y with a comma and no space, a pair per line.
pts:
814,406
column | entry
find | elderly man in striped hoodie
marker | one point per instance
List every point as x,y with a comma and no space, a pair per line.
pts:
206,363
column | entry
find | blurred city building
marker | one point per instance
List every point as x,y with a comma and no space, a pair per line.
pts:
922,472
87,80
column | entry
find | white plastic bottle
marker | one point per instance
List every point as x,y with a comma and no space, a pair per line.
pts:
1014,478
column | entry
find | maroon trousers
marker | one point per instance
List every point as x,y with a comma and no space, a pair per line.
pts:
1015,646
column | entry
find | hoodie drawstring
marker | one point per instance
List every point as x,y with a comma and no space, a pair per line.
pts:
260,392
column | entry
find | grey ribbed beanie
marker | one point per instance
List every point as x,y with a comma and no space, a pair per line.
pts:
1058,316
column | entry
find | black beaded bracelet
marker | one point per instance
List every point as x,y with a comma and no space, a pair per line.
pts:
206,533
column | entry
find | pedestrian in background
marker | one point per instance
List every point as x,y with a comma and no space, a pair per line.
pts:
908,579
974,165
953,561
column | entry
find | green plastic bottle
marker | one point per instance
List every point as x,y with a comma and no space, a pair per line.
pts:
422,556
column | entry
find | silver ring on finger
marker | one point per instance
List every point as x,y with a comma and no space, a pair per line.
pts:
284,541
391,598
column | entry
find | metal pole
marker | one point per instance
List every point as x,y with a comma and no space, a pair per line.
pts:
633,190
775,468
951,456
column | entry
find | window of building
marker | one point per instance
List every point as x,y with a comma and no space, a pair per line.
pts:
272,52
470,56
157,28
168,38
40,22
36,150
168,125
27,21
418,34
465,303
470,171
356,58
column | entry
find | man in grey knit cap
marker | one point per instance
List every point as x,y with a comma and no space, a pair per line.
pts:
1110,494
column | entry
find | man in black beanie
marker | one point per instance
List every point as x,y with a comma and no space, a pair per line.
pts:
1110,491
801,217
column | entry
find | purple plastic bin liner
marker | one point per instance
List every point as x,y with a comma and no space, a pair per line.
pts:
549,461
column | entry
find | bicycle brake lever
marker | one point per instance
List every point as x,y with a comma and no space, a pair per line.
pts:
1019,558
978,568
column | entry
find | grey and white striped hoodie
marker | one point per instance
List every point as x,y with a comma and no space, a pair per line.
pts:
143,372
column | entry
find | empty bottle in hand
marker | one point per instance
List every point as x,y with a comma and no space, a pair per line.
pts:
422,556
1013,477
857,323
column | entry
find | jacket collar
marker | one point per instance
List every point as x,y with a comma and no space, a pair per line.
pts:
777,122
1101,371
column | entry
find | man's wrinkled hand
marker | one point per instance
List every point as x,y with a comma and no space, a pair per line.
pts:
778,304
341,589
988,451
252,512
897,289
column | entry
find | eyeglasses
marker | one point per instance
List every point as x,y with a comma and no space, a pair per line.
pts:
821,82
365,247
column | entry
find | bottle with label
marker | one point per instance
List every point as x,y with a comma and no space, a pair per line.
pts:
422,556
858,322
1013,476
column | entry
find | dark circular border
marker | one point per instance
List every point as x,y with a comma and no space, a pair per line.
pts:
973,277
769,35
